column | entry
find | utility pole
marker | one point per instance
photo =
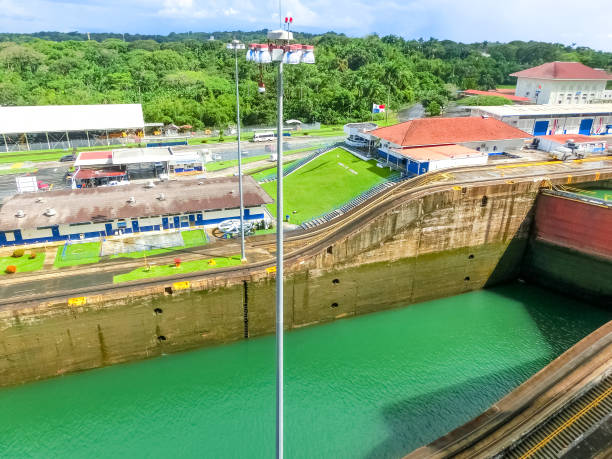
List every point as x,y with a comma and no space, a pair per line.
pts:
279,50
236,45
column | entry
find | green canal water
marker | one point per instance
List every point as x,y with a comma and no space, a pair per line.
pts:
375,386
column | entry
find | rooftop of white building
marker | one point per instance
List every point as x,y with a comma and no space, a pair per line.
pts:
136,200
62,118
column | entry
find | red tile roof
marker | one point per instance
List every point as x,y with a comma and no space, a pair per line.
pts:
476,92
563,71
443,131
96,154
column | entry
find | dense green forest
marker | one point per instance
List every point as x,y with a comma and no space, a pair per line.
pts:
188,79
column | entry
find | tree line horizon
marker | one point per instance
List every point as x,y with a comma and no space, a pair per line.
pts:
185,78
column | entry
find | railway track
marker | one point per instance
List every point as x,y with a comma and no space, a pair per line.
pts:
313,240
562,431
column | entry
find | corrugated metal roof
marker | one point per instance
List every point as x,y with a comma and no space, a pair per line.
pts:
107,203
61,118
546,109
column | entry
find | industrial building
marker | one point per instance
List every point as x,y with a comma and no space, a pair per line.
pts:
69,126
421,145
98,212
95,168
551,119
561,83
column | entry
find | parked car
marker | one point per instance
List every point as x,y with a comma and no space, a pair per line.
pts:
67,158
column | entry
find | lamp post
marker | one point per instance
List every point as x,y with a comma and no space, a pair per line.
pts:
279,50
236,45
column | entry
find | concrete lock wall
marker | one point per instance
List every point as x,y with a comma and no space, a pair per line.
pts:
441,244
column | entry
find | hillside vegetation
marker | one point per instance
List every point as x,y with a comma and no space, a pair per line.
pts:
187,79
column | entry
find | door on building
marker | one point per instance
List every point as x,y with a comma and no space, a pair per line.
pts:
540,128
585,127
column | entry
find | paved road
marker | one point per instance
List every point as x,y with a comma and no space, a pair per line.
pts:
54,172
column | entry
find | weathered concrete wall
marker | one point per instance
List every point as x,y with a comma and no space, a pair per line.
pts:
570,249
442,244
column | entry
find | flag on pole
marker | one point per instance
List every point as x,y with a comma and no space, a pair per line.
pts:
378,108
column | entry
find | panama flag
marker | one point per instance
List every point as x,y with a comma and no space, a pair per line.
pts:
378,108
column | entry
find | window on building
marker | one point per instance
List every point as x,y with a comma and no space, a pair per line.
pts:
79,224
494,147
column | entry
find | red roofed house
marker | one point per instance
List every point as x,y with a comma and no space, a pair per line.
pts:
416,146
562,83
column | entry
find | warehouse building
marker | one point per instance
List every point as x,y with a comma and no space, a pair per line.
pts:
551,119
69,126
422,145
98,212
561,83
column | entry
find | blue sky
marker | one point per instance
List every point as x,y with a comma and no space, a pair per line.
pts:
564,21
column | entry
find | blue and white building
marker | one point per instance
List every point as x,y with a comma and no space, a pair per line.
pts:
63,215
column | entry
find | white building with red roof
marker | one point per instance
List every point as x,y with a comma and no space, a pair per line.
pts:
562,83
428,144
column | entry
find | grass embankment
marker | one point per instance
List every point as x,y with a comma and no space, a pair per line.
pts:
184,268
24,263
262,173
325,183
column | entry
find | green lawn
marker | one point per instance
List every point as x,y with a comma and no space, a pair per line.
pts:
21,170
24,263
191,238
185,267
324,184
77,254
218,165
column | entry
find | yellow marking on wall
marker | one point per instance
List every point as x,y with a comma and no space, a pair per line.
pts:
458,188
181,285
597,174
77,301
569,179
271,269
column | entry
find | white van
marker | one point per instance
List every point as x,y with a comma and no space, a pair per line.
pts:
264,136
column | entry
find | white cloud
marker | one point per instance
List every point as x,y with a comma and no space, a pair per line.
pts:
11,9
465,20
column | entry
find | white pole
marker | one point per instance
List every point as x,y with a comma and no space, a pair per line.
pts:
5,144
242,250
48,143
279,269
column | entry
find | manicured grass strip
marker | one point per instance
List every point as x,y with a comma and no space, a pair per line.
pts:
185,267
325,183
77,254
270,170
23,263
218,165
192,238
23,170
